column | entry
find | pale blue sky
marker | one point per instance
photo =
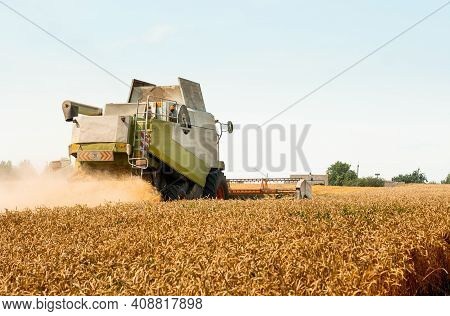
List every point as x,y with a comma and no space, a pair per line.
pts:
252,58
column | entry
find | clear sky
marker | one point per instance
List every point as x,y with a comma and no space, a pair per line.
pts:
253,58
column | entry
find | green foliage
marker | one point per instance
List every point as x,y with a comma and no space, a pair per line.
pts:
24,169
339,173
6,168
415,177
366,182
447,180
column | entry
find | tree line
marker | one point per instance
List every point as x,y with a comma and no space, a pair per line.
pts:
9,171
340,174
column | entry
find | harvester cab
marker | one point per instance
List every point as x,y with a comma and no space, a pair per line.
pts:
162,133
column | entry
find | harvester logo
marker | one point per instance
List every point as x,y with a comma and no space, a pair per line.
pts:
95,155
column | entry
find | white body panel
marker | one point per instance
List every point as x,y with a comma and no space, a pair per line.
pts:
202,137
100,129
199,141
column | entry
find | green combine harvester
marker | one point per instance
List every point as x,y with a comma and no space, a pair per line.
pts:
162,134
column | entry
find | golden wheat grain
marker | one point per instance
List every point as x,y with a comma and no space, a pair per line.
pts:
371,241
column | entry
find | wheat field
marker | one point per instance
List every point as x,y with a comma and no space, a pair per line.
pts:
345,241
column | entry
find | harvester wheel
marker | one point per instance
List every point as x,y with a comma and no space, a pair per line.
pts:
216,186
171,193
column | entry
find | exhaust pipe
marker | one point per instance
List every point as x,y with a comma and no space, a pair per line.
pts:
73,109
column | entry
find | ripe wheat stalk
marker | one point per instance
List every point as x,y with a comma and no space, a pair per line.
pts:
379,241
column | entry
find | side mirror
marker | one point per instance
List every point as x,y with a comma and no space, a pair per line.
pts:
222,127
230,127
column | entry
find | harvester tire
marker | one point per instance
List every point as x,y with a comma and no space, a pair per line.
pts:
171,193
216,186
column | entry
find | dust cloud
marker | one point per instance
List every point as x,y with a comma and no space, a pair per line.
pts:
51,190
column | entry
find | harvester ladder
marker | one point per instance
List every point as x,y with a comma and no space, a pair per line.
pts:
141,139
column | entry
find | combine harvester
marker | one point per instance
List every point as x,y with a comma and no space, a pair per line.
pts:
162,133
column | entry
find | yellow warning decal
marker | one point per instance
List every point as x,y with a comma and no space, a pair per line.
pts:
95,155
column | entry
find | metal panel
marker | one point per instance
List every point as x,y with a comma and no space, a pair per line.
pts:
136,84
176,156
192,94
124,109
100,129
187,92
114,147
157,93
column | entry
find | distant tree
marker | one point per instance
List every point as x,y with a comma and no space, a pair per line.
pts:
5,165
26,169
366,182
415,177
447,180
339,173
6,168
